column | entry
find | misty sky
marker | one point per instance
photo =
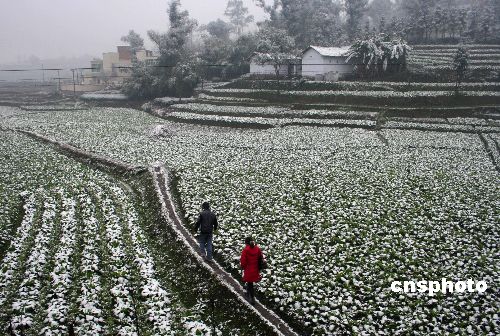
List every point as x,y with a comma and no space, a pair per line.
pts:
72,28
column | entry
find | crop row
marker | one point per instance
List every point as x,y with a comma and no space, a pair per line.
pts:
275,122
443,61
76,256
339,86
403,98
472,67
449,56
382,94
270,111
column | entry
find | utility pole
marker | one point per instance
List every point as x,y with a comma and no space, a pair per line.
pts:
59,81
74,87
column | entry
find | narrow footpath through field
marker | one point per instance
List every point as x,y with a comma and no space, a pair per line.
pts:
161,179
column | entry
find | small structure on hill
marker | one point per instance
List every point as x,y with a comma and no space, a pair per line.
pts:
325,63
115,67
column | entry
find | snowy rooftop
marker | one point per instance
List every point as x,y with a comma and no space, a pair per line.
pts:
330,51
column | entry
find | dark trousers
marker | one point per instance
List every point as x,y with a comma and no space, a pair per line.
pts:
250,292
205,241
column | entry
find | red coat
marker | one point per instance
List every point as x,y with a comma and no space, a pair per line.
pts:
249,261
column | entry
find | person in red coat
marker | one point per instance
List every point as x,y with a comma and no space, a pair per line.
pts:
249,261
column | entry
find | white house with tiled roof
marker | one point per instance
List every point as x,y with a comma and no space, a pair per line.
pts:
325,63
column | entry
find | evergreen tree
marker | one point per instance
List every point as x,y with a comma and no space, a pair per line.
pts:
496,11
135,41
240,54
393,26
381,25
243,48
274,47
219,29
486,23
473,29
354,10
452,22
367,28
419,11
309,22
238,15
460,65
175,74
378,8
438,21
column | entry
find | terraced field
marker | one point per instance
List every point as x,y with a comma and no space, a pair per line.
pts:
432,56
437,60
340,212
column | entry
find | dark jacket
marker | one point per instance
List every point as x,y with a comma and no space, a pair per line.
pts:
207,222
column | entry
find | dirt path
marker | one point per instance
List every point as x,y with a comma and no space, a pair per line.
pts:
161,178
82,154
490,149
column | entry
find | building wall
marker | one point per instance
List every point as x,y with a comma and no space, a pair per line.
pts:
121,71
145,56
114,67
314,65
93,75
267,69
91,78
108,59
82,87
337,64
124,53
111,67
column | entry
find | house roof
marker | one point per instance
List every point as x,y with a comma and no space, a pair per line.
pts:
292,60
329,51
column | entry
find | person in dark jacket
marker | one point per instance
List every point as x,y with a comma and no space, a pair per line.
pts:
207,224
249,261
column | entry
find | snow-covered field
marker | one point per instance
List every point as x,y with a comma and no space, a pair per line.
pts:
70,210
75,253
340,224
340,213
481,57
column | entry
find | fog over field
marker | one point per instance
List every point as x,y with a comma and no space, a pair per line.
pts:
51,29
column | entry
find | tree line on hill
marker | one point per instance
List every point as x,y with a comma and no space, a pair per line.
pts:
223,48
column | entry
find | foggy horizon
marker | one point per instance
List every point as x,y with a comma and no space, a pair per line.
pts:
52,29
